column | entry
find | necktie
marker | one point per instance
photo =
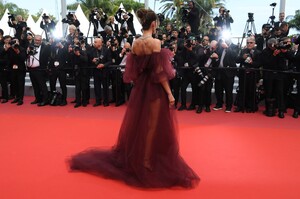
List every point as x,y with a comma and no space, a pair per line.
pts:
222,58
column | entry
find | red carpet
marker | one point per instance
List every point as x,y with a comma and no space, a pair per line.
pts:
236,155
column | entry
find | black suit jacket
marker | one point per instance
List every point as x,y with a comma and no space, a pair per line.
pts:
18,27
194,20
96,22
104,54
229,61
44,55
17,59
129,22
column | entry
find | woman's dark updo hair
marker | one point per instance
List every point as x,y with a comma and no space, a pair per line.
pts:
146,17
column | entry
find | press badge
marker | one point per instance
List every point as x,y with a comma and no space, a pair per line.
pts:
56,63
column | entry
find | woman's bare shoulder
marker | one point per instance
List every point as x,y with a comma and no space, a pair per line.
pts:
146,46
156,45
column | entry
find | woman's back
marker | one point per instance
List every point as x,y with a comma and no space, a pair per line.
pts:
145,45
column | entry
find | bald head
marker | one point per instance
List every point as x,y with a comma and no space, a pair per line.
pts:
98,42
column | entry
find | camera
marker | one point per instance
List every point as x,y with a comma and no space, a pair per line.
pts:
32,50
190,42
128,50
11,17
99,60
283,45
94,13
75,48
203,81
112,41
250,17
121,10
69,18
45,16
14,44
184,13
225,12
248,60
204,78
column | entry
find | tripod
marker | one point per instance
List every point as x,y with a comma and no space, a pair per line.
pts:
272,17
249,28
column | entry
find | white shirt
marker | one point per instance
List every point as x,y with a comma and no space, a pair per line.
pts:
33,60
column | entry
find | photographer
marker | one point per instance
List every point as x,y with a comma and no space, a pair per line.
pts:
193,17
111,23
57,65
17,57
224,77
108,34
115,74
100,58
27,40
4,67
204,76
98,18
224,19
249,58
125,87
71,19
261,39
18,24
79,62
124,37
186,66
72,34
37,62
296,63
274,59
176,46
48,26
126,21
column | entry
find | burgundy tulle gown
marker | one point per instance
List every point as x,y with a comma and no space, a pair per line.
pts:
147,152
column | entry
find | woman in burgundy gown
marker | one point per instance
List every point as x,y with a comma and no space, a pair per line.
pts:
147,152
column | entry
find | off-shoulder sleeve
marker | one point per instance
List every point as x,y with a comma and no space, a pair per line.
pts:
135,65
162,66
158,63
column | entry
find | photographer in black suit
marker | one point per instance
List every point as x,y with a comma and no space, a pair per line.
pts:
126,21
297,65
274,58
100,58
249,58
48,26
262,38
4,67
193,17
186,67
18,24
71,19
224,19
79,62
224,76
17,57
37,62
57,64
98,18
205,79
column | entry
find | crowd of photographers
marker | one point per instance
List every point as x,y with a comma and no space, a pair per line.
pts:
268,66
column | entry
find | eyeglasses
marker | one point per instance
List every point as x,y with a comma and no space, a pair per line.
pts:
250,42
